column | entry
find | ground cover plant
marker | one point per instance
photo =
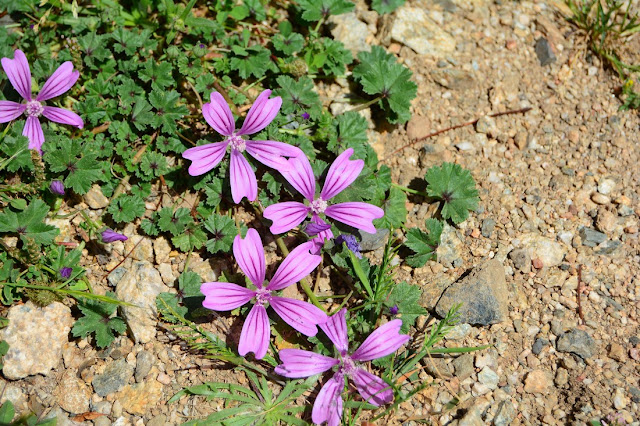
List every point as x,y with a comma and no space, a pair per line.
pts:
145,100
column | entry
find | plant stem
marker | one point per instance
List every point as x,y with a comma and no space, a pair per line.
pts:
364,105
409,190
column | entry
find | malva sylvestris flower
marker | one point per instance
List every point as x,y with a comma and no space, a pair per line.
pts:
270,153
249,254
57,188
342,172
109,236
297,363
19,75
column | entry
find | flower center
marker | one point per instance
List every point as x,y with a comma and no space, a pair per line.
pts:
347,366
237,142
34,109
263,296
318,205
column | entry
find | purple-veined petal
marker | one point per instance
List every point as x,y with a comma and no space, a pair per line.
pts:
285,216
60,81
300,175
314,228
328,404
64,116
243,178
372,388
221,296
33,131
325,234
356,214
298,363
297,265
262,112
336,329
19,73
273,154
218,114
205,157
249,254
10,110
318,243
300,315
255,333
341,174
384,340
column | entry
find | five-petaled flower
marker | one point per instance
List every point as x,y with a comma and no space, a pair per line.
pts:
300,315
286,216
270,153
298,363
61,80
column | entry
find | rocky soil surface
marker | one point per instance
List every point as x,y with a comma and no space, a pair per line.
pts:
548,268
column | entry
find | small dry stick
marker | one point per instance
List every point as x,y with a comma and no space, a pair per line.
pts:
579,291
457,126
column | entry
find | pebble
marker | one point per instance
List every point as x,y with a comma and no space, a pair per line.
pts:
459,332
617,352
73,394
578,342
95,198
606,221
599,198
463,366
115,376
167,274
487,227
102,421
160,420
620,400
137,399
489,378
473,417
537,381
144,361
452,78
590,237
539,345
606,186
487,125
544,52
351,31
483,294
505,415
550,252
418,127
413,28
451,247
35,344
521,260
562,377
162,249
608,247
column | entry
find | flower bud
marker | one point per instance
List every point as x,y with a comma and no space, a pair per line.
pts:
57,188
109,236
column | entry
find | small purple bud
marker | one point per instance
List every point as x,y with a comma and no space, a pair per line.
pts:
109,236
393,310
57,188
351,242
306,116
65,272
202,46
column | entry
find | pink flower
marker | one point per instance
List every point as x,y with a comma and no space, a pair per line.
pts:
300,315
269,153
298,363
286,216
61,80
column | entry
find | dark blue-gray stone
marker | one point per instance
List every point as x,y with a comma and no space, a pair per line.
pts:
577,342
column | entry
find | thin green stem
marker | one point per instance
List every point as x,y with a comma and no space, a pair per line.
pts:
364,105
409,190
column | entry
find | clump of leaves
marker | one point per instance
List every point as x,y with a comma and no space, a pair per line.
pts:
424,244
28,223
99,321
455,188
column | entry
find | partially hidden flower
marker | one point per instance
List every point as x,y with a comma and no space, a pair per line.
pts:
286,216
61,80
57,188
249,254
297,363
270,153
65,272
351,242
109,236
394,310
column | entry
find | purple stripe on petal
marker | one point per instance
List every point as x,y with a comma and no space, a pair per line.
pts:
372,388
255,333
341,174
336,329
60,81
328,404
64,116
300,315
249,254
19,73
285,216
218,115
10,110
356,214
243,178
298,363
33,131
297,265
221,296
262,112
300,176
205,157
273,154
384,340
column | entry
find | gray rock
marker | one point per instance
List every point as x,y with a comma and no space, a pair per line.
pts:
635,394
144,362
115,376
505,415
487,228
473,417
162,249
539,345
488,377
370,242
36,337
413,28
625,210
483,294
544,52
463,366
453,78
95,198
606,186
459,332
521,260
608,247
578,342
160,420
116,275
449,251
351,31
102,421
590,237
548,251
140,286
487,125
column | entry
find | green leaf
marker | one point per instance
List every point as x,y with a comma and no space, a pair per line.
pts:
395,210
189,284
97,319
17,153
298,96
68,155
7,412
256,62
29,223
386,6
192,238
172,301
167,112
141,115
152,165
424,244
407,298
381,75
314,10
174,222
160,74
223,230
126,208
288,44
455,188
